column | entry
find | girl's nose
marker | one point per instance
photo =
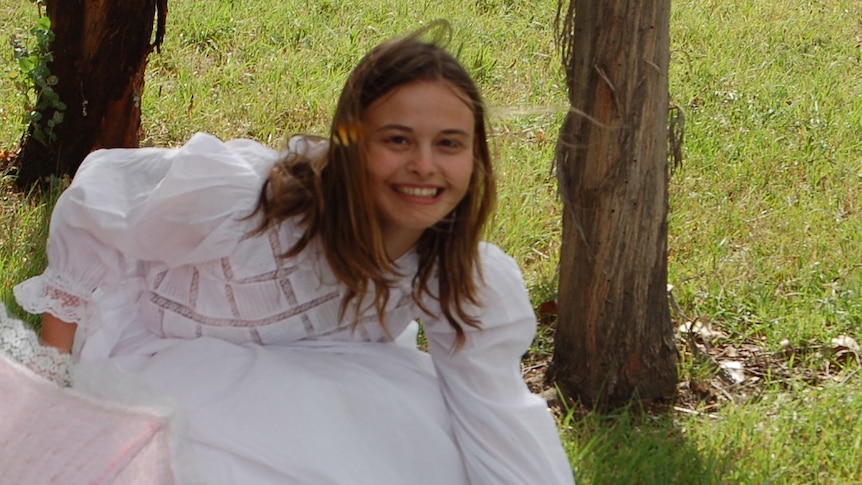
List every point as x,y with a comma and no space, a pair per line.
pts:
422,161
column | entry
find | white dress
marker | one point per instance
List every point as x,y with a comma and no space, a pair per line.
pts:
150,253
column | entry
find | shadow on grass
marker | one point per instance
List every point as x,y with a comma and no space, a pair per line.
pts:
627,448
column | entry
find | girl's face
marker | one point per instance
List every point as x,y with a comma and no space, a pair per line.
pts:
419,140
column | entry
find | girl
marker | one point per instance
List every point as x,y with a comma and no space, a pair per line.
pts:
267,296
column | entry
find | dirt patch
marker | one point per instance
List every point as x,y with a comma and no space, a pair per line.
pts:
719,370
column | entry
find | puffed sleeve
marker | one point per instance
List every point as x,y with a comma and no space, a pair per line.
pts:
506,434
127,206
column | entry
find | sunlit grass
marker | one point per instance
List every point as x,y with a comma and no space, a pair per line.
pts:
764,219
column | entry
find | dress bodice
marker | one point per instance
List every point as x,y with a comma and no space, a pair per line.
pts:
255,294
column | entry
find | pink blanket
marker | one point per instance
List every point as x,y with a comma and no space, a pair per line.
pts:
52,435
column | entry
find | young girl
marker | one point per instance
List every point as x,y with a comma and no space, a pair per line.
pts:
267,296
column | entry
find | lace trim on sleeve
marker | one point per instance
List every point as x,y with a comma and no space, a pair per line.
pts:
51,293
22,344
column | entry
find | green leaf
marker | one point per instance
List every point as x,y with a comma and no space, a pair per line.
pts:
44,23
39,135
26,64
50,96
40,71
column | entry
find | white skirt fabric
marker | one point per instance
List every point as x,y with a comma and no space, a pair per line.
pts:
305,413
308,413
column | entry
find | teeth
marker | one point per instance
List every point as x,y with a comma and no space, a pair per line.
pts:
418,191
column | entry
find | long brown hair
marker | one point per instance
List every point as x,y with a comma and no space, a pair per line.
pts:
331,193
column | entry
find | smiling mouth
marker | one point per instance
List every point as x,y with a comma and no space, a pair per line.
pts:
425,192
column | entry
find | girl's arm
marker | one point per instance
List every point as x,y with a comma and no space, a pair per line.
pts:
57,333
507,435
127,206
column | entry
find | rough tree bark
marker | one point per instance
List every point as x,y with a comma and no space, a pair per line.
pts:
614,339
100,54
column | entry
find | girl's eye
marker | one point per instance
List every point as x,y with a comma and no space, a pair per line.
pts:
450,144
397,140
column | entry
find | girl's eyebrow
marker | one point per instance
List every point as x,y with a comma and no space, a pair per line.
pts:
455,131
393,126
397,127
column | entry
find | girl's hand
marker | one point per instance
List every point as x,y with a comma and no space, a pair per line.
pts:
58,333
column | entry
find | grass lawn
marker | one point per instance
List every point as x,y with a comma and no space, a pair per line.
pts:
765,224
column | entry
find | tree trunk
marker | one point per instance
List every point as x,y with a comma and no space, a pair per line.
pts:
100,54
614,340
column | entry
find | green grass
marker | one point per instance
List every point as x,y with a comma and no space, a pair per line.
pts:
23,232
765,224
765,215
809,437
